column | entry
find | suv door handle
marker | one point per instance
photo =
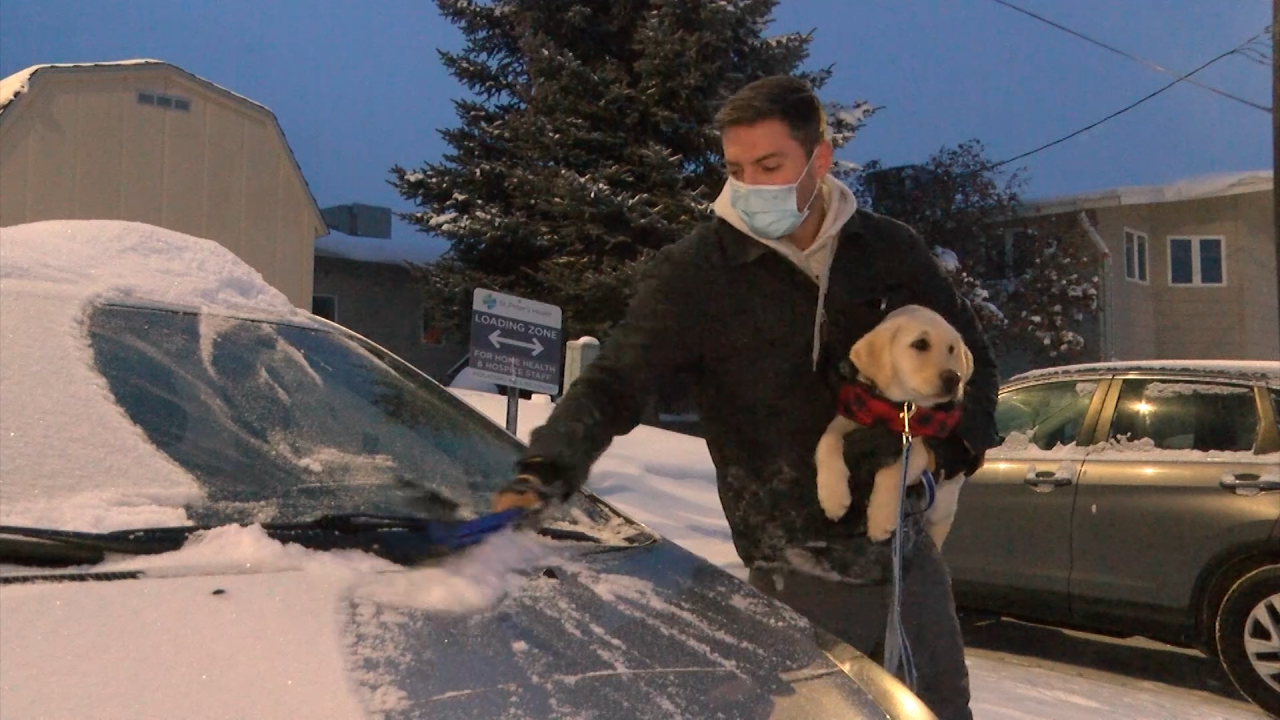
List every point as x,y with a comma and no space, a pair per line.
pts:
1249,481
1047,477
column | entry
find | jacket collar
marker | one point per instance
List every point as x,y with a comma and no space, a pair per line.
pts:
740,248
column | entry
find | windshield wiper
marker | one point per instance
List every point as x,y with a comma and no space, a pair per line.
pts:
403,539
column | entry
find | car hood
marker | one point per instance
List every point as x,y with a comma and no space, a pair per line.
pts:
652,631
646,632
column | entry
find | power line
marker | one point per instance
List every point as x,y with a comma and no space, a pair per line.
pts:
1135,58
1125,109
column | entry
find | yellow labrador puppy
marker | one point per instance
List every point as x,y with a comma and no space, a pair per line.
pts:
913,355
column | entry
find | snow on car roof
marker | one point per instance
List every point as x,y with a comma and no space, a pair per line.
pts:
1267,369
70,458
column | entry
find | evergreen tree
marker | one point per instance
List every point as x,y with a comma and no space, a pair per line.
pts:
1031,280
586,145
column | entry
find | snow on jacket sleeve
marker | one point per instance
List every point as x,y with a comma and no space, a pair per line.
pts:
656,338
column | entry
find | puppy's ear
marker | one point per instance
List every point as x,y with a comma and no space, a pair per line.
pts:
966,370
871,354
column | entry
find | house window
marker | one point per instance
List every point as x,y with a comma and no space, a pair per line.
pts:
1135,256
165,101
1197,261
431,335
325,306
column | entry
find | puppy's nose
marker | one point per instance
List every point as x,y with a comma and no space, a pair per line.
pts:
950,381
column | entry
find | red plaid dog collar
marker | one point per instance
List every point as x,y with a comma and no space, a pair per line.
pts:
861,404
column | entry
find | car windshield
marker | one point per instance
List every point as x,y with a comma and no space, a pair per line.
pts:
280,423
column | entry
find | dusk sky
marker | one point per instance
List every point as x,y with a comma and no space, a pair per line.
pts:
357,86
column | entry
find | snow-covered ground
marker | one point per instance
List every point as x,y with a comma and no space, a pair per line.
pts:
667,481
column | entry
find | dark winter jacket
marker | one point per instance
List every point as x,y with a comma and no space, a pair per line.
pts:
738,319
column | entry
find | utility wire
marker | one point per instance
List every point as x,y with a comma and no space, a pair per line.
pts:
1123,110
1135,58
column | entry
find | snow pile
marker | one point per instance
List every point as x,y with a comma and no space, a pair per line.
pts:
1167,389
390,251
470,581
72,459
233,549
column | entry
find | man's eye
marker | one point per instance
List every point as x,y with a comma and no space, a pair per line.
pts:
771,168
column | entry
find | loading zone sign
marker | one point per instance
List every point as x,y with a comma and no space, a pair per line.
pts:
516,342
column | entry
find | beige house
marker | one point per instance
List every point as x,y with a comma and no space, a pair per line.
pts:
144,140
1190,271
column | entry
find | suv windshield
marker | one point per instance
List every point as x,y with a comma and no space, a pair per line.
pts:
280,423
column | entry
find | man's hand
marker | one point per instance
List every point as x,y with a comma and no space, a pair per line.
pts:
525,492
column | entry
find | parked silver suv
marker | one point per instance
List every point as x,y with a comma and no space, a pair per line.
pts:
1135,499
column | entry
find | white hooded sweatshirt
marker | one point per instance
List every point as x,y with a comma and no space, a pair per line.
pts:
815,261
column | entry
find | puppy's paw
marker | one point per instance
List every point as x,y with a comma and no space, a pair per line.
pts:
882,518
834,495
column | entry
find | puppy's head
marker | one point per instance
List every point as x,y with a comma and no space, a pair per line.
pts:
914,355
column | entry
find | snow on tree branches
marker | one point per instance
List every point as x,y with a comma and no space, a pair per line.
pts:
1032,281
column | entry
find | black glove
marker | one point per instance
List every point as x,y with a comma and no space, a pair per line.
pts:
535,487
953,457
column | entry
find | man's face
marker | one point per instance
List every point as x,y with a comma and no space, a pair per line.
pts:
766,154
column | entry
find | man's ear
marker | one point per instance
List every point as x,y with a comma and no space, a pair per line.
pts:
823,157
871,354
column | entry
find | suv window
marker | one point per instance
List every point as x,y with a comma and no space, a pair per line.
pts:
1275,407
1186,415
1046,415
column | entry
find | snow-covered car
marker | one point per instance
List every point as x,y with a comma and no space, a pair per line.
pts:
216,505
1135,499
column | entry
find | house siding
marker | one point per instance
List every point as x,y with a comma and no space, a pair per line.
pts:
382,302
1133,320
1158,320
78,145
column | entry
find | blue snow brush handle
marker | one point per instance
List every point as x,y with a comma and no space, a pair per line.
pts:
412,539
458,534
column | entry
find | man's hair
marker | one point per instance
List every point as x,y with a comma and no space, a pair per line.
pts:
779,97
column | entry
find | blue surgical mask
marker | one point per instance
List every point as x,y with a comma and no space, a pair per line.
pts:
769,211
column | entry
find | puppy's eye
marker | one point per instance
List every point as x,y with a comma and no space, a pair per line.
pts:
951,349
921,344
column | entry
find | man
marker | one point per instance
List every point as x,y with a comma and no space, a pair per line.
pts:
758,308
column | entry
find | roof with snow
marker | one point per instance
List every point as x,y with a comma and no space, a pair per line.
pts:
1266,369
393,251
1195,188
13,87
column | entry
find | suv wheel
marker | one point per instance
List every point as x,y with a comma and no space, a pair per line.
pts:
1248,637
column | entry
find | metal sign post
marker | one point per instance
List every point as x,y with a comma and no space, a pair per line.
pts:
517,343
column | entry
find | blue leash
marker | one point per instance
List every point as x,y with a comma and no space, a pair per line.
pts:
897,650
